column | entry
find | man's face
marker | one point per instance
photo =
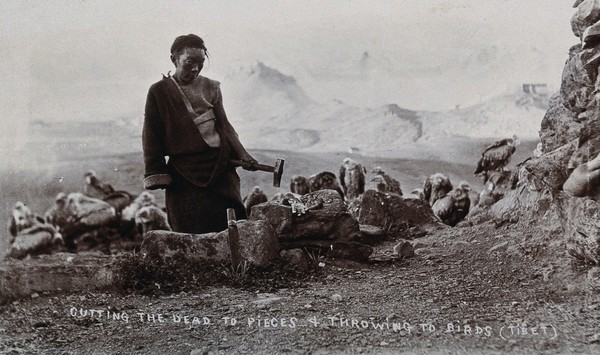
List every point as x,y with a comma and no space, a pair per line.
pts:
189,64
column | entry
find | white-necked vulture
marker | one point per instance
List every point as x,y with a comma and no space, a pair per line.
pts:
496,156
352,178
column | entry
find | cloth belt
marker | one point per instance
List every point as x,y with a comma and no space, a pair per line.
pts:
205,117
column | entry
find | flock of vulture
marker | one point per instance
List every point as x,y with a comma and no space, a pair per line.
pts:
100,210
451,205
86,219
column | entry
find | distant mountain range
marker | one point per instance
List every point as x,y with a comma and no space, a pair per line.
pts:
271,111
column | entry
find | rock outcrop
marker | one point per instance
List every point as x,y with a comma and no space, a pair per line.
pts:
404,217
325,223
327,218
570,136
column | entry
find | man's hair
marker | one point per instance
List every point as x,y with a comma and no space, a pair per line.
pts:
187,41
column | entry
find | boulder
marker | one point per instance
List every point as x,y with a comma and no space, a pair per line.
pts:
371,234
327,218
257,240
588,144
549,170
404,249
559,126
591,36
396,214
578,79
580,219
587,14
522,203
296,258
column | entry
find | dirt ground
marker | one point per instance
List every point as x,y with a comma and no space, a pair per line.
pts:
484,289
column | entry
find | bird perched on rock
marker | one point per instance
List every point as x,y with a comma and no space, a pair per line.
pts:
255,197
435,187
418,193
324,181
378,184
57,214
119,200
144,199
299,185
150,218
21,218
496,156
538,151
455,206
392,185
352,178
94,187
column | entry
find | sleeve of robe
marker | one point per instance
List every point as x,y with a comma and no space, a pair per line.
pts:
156,174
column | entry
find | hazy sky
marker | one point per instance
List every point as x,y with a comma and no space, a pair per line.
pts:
95,59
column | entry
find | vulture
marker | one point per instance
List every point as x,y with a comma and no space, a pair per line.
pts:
324,181
21,218
378,184
30,234
435,187
392,185
143,199
119,200
496,156
455,206
352,178
76,212
418,194
57,215
96,188
299,185
255,197
40,238
538,151
150,218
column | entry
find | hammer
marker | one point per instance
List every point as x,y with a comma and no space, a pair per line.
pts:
276,169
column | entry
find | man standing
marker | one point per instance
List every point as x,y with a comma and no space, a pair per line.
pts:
185,120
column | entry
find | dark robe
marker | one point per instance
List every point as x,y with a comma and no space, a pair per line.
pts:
199,181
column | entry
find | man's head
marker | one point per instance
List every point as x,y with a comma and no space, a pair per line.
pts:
188,53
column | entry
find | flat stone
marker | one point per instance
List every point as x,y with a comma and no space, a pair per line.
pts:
257,241
52,273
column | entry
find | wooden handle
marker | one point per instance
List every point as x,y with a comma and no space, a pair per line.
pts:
234,239
261,167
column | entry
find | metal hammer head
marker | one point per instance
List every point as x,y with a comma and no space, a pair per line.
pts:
277,172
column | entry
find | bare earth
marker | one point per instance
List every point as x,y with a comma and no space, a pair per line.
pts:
485,289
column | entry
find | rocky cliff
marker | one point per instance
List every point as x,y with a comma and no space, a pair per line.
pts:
570,136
